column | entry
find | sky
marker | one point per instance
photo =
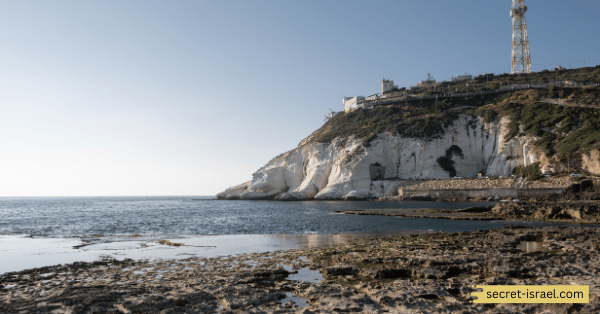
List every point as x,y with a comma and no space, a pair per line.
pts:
123,98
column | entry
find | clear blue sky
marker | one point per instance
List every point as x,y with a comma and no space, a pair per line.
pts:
189,97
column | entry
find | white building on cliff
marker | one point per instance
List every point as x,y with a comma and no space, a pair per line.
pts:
353,103
387,85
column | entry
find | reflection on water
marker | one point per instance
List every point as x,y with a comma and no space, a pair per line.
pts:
308,275
529,246
19,253
323,239
304,274
291,297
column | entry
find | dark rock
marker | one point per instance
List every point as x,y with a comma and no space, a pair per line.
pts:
340,271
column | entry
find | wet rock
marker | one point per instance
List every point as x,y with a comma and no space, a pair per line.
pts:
232,197
288,197
386,273
429,273
339,270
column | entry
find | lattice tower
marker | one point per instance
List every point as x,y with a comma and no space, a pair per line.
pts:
521,61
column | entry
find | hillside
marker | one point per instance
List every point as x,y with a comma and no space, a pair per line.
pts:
565,119
570,126
553,129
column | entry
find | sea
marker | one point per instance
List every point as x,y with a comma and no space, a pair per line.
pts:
193,216
43,231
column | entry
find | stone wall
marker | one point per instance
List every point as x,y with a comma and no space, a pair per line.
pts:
499,187
481,193
494,183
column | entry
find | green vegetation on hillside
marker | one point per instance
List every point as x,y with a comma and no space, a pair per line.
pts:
546,143
565,129
408,120
531,172
582,139
579,75
488,115
491,82
554,124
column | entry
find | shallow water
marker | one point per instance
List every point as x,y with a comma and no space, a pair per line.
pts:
37,232
530,246
299,302
184,216
25,252
305,274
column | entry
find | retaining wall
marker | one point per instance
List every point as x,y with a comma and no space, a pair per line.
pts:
483,193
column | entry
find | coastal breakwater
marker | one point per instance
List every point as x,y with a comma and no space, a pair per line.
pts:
497,188
496,193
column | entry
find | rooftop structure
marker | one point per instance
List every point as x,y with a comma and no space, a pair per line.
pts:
466,77
387,85
428,82
351,103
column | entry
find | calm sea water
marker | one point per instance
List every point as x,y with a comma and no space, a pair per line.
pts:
187,216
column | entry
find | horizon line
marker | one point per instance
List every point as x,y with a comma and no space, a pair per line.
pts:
110,196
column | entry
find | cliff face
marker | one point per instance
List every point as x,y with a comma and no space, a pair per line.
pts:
344,169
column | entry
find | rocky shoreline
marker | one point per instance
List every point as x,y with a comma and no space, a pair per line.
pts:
579,203
577,212
427,273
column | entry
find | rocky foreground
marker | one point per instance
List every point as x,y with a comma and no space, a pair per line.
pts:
427,273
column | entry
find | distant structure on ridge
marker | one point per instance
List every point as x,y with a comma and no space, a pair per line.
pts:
521,61
387,85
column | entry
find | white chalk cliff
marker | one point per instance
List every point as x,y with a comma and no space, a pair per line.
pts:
342,169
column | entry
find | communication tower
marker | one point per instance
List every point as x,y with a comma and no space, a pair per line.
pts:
521,61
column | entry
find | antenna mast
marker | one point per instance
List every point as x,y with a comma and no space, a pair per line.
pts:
521,61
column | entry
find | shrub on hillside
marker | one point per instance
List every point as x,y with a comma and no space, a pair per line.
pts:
488,115
531,172
412,121
546,143
551,93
